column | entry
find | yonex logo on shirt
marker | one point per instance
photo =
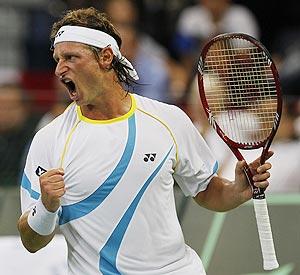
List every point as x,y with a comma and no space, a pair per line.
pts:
40,171
150,157
33,211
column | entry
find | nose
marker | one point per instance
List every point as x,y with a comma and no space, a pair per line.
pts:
60,69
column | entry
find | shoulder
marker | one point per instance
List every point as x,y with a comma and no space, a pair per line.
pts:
172,115
157,107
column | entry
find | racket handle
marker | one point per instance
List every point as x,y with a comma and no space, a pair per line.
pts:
265,234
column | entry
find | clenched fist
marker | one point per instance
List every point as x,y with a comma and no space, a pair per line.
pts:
52,188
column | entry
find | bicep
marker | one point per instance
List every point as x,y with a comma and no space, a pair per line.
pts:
218,196
205,197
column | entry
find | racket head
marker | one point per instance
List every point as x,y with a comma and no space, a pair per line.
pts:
240,91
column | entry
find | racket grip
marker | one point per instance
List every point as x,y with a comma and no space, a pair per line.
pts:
265,234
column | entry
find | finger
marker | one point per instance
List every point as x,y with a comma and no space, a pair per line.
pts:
57,185
257,162
51,172
261,177
263,168
254,166
55,178
55,194
58,193
261,184
49,188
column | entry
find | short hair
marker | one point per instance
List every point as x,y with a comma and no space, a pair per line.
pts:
94,19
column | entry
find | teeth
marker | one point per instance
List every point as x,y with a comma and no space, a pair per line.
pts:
70,85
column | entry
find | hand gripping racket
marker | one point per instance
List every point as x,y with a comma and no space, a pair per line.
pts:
240,92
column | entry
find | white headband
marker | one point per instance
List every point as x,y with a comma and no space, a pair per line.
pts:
95,38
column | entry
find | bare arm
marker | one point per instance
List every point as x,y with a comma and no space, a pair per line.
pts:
37,230
31,240
223,195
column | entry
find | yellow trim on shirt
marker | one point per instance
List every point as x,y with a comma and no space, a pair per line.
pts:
169,130
62,158
108,121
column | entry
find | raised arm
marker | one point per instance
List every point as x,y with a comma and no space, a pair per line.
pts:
223,195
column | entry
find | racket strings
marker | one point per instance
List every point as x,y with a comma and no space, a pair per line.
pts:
240,90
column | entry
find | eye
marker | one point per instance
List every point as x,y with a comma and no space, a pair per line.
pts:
70,57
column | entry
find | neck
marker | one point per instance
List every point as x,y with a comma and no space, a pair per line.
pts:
108,107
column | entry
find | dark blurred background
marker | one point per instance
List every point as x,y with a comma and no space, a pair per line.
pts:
163,39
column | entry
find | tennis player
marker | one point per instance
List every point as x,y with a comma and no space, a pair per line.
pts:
104,170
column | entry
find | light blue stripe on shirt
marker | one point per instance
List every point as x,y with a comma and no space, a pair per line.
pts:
216,167
26,184
108,254
82,208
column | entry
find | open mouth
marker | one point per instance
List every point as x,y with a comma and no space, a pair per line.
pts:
70,85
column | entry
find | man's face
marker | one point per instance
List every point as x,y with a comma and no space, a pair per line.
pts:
79,71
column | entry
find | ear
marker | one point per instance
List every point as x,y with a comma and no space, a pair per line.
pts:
106,57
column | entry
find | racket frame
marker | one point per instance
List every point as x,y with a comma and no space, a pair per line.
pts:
260,205
258,193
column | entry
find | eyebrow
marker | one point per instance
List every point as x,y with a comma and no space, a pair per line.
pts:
65,53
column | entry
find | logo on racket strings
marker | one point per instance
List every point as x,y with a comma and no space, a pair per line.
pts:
276,121
211,120
200,65
267,58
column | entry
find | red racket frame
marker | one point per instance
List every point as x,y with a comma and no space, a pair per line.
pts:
257,192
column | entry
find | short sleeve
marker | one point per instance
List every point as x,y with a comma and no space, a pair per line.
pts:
196,162
38,161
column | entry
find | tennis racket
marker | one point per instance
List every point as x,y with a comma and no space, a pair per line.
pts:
240,92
